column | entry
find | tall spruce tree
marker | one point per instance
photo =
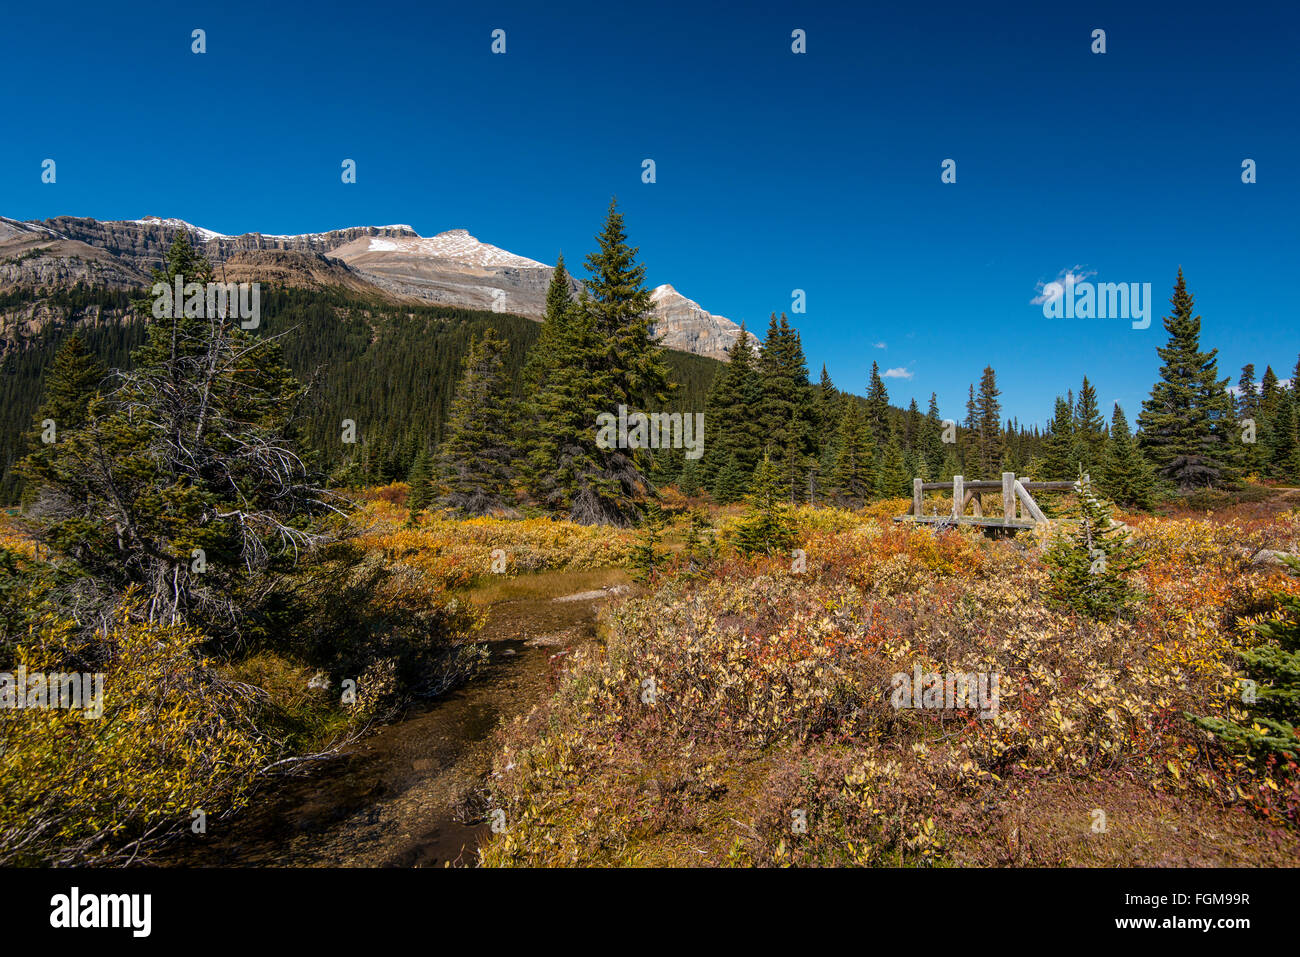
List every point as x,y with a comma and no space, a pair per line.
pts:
476,457
877,407
853,476
1089,431
785,410
1187,427
988,426
1057,453
1124,474
70,385
731,427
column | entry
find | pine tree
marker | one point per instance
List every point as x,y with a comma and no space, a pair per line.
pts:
988,426
420,484
1089,431
476,456
893,479
1274,667
1086,566
730,422
877,407
853,478
1124,474
1187,427
71,384
185,483
765,527
1058,447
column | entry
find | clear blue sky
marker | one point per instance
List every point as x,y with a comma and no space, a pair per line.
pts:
775,171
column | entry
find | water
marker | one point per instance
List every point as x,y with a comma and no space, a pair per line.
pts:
390,800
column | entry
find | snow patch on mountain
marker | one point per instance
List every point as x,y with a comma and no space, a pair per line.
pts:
207,235
455,245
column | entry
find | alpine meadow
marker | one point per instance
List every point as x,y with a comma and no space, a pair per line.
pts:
972,541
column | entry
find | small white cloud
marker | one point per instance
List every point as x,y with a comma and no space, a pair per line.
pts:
899,373
1052,291
879,345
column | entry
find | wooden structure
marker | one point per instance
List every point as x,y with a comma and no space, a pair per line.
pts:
1019,510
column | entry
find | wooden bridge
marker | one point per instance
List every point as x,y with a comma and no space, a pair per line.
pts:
1015,496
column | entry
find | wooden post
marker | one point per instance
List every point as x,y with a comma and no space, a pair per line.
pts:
916,497
958,497
1030,505
1008,497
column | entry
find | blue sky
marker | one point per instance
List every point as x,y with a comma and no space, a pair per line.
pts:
775,171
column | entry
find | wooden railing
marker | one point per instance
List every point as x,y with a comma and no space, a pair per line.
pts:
1015,492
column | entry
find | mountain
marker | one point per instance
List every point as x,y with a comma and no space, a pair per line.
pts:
683,324
393,263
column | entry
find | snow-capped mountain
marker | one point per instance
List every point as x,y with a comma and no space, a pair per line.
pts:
451,268
683,324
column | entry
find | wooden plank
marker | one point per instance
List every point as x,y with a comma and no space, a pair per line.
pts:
991,522
1008,497
916,497
958,497
1028,501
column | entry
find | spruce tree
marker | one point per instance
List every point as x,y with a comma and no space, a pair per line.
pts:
765,527
730,421
1087,565
1089,431
1187,427
932,444
185,482
853,477
1057,451
420,481
785,410
988,426
1274,706
877,407
70,385
476,457
1124,474
893,479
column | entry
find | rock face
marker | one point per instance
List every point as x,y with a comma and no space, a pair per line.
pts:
682,324
452,268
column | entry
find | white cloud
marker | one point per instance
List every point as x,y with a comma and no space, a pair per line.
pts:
1052,291
899,373
879,345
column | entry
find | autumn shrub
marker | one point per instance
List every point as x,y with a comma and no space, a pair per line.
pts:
780,682
382,624
456,554
173,738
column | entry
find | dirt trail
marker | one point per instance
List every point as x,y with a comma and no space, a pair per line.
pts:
389,800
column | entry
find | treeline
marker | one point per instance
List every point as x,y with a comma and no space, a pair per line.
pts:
487,411
814,443
390,369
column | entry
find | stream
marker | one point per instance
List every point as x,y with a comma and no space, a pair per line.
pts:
390,799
